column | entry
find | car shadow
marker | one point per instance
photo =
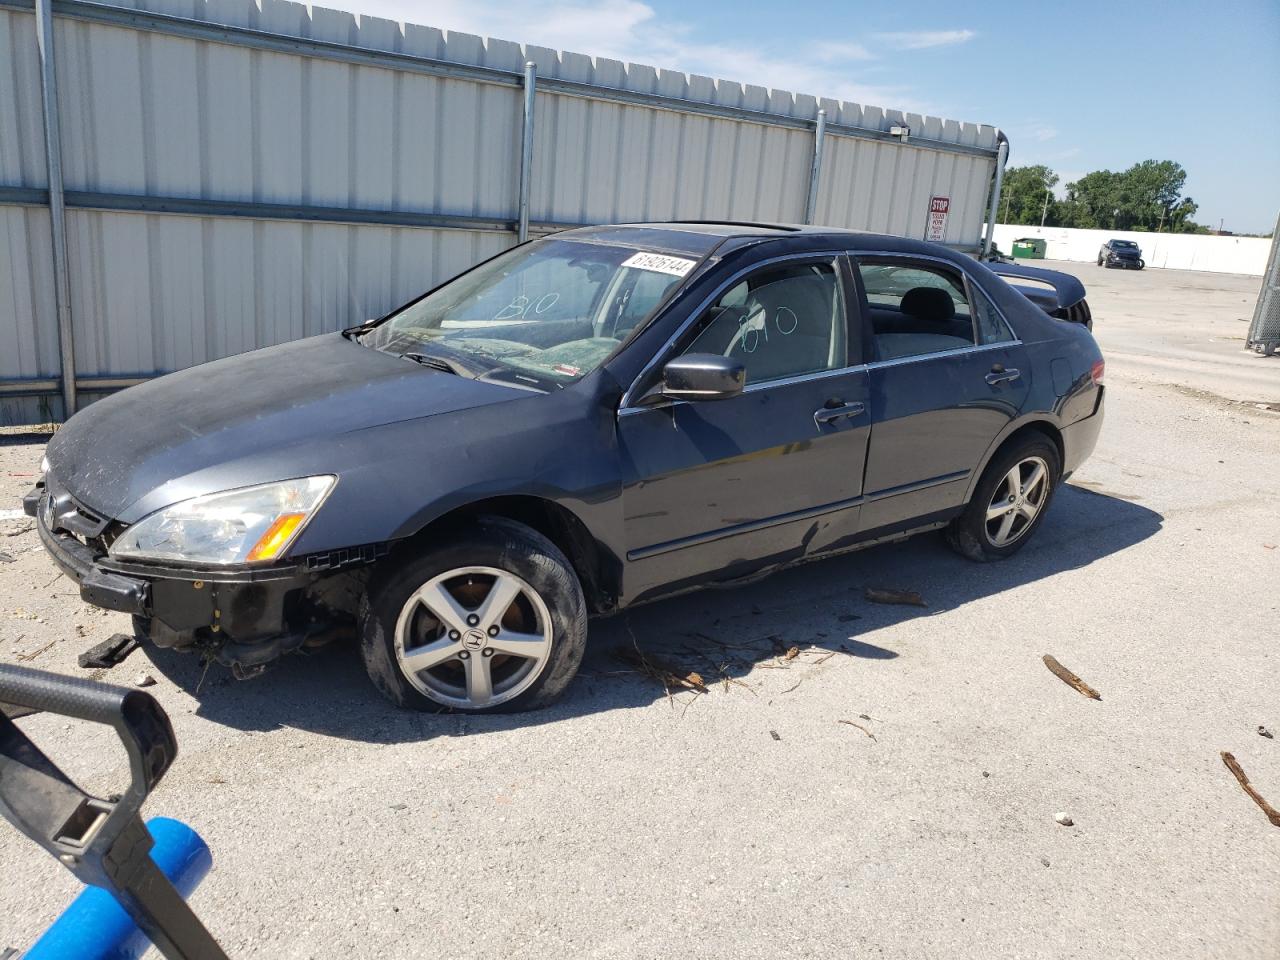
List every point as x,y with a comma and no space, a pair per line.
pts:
722,635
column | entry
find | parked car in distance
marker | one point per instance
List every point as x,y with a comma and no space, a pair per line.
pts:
1121,253
603,417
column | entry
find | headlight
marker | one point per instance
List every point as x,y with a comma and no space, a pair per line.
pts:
249,525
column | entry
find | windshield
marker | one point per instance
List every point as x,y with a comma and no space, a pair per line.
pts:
1126,244
544,313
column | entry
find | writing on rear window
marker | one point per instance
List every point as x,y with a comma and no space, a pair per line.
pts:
660,263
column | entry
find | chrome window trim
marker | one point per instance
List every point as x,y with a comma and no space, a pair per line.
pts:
668,402
957,352
625,405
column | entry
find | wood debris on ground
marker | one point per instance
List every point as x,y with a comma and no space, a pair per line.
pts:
860,727
1234,766
28,657
1069,678
666,674
904,597
791,653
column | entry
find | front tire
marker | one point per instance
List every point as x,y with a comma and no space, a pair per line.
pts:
1009,502
491,621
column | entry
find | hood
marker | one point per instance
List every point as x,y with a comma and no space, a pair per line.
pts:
272,414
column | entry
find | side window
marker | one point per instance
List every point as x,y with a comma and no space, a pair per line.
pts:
914,308
991,326
781,322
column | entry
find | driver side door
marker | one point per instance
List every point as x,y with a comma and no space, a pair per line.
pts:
717,489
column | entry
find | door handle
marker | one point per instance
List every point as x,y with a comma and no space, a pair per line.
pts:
837,411
999,374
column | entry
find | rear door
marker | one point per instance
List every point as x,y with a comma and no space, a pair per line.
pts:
946,376
719,488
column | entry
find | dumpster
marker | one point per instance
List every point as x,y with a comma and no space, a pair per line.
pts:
1030,248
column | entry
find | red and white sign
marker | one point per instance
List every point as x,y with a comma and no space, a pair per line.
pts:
938,209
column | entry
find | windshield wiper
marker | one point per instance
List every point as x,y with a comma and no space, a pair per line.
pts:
438,363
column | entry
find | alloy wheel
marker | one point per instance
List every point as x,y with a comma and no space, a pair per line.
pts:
1018,499
473,637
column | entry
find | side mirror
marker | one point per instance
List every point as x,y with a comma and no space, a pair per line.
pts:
703,376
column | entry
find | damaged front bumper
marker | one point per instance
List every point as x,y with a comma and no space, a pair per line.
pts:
242,617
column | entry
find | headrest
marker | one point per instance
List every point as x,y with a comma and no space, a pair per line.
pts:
929,303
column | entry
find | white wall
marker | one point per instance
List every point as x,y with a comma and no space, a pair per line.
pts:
1175,251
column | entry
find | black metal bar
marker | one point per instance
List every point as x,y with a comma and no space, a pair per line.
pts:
102,842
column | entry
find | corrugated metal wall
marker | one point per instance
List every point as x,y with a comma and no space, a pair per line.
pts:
373,128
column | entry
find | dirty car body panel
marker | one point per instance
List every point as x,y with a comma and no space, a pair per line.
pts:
833,444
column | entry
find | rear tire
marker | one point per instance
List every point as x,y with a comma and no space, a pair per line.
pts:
1000,517
493,620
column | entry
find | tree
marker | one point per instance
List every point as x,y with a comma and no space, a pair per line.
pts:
1093,201
1147,196
1023,194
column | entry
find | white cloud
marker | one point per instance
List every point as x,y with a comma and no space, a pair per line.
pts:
630,31
841,51
924,39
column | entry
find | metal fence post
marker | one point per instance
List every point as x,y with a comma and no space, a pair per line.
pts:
994,209
1264,331
815,171
57,209
526,150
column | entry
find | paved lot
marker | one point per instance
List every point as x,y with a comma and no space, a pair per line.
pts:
624,824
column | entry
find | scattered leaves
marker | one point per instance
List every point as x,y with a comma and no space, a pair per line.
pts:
774,734
1264,732
791,653
1069,678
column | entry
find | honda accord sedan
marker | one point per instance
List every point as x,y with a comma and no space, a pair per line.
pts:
599,418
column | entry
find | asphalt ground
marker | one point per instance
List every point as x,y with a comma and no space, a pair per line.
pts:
890,791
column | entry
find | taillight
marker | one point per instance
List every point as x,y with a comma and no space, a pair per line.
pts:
1097,370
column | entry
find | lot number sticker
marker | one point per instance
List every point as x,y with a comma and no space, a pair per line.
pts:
659,263
938,208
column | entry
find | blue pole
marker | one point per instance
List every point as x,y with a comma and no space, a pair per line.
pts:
95,927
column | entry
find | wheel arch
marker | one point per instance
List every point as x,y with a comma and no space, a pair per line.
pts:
596,569
1016,433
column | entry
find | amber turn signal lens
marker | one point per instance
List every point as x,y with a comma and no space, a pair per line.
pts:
277,537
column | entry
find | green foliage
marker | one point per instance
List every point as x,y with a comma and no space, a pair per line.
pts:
1146,197
1024,192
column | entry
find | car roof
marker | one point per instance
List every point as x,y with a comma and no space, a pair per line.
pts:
700,237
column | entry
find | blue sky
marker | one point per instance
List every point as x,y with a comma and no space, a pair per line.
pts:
1078,86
